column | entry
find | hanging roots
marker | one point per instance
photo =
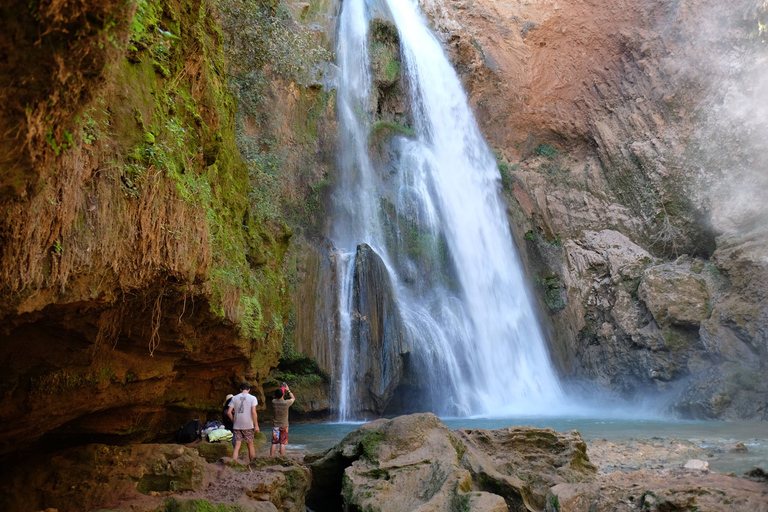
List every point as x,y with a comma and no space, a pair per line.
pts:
157,314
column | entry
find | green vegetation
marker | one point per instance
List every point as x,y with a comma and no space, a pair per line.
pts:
674,339
369,445
61,381
505,170
459,446
264,33
174,505
546,151
297,369
552,287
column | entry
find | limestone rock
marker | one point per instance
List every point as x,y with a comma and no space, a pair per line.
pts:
658,490
731,448
675,296
415,462
377,332
97,476
212,452
151,477
697,464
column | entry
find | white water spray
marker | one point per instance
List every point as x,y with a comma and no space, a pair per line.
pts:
469,320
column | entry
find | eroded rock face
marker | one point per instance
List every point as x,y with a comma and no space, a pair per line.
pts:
151,477
415,462
674,297
377,332
604,122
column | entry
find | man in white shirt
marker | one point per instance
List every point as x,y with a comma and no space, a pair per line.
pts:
242,412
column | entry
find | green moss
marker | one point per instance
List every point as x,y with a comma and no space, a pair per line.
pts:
675,340
174,505
459,446
369,445
552,287
382,131
61,381
554,502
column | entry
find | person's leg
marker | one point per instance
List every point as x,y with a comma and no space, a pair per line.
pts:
275,441
283,439
251,451
237,449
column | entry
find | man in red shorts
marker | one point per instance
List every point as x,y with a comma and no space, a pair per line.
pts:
280,426
242,412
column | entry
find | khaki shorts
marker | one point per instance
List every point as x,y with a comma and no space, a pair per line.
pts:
279,435
245,436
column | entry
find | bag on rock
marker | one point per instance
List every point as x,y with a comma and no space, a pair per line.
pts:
189,432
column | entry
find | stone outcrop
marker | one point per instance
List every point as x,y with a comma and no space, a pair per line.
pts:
151,477
377,335
416,463
146,220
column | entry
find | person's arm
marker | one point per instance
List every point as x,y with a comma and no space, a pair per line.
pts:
293,399
229,413
255,418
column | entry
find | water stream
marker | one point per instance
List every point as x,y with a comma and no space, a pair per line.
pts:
435,217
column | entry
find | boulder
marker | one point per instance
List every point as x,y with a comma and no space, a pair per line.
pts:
415,462
212,452
698,464
675,295
731,448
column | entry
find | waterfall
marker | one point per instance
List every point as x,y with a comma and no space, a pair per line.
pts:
431,211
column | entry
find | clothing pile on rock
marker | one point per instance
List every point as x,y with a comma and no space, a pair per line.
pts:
216,432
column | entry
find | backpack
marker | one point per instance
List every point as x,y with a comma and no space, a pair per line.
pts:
189,432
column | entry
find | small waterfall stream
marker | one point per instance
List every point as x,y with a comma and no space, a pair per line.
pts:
433,218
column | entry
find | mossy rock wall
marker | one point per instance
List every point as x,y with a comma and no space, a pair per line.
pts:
139,280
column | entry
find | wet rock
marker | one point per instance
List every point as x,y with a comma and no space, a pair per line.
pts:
377,333
757,475
415,462
731,448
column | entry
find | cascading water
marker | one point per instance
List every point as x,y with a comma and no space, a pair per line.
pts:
434,215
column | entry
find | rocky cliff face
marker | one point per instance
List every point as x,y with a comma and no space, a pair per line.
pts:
633,174
141,262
